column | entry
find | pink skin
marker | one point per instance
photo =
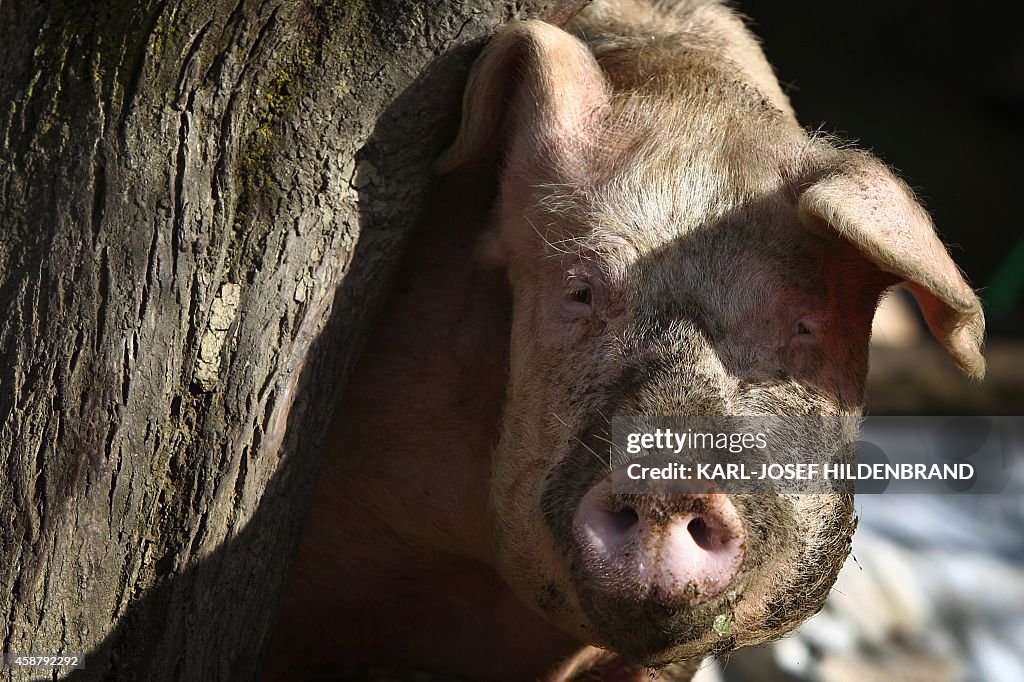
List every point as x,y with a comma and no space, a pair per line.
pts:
676,550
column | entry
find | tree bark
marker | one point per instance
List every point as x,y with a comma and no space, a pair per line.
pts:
201,207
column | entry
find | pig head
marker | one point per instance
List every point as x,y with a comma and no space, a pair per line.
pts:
676,244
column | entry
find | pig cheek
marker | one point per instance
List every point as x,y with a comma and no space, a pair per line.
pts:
528,559
835,365
544,351
770,608
526,554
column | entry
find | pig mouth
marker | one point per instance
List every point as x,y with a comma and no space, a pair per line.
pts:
650,634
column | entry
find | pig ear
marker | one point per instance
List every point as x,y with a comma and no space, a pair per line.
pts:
533,85
872,209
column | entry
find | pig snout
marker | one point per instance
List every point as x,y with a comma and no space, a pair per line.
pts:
670,548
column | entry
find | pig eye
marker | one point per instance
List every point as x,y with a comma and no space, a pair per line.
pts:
580,294
804,331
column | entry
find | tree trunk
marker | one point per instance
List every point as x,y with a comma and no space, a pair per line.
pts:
201,205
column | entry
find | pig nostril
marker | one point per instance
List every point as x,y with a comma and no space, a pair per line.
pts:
702,534
623,519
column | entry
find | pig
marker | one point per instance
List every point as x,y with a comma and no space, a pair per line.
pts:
631,221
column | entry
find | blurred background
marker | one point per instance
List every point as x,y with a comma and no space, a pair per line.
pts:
934,590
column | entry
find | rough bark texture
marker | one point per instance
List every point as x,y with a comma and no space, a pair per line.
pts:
201,205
